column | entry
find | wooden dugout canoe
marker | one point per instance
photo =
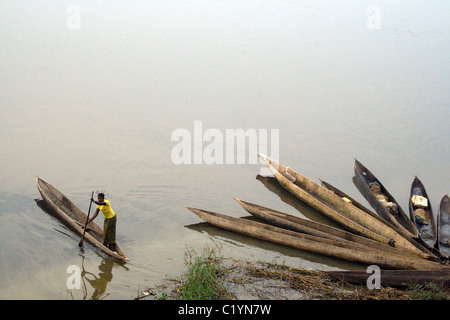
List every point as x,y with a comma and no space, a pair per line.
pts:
314,244
294,223
427,231
363,177
395,278
342,194
71,216
443,219
344,213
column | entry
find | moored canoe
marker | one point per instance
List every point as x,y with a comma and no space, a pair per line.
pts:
381,200
421,214
343,212
444,226
335,249
294,223
418,244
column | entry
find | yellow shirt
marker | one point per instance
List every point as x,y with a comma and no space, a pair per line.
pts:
106,210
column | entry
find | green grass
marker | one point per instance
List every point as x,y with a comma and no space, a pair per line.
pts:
428,291
203,279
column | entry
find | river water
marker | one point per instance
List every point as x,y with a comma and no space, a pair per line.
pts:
91,93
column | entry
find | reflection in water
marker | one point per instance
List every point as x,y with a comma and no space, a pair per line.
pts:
98,282
95,282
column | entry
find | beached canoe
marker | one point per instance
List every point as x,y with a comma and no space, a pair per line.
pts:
331,248
294,223
71,216
345,196
381,200
348,198
343,212
444,226
421,214
395,278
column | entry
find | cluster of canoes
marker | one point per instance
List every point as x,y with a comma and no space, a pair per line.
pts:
386,238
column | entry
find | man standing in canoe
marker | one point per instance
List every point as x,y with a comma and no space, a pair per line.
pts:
109,227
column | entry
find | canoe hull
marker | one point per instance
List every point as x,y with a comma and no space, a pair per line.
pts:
72,217
443,239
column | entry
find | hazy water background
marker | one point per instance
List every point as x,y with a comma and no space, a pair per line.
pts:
94,109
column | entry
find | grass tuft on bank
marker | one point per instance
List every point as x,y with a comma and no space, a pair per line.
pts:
205,276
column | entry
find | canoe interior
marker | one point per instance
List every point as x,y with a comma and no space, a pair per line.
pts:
363,177
358,204
59,206
63,202
427,231
444,226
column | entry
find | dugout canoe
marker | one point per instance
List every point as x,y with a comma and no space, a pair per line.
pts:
421,245
394,278
331,248
421,214
297,224
71,216
348,198
363,180
344,213
373,214
443,219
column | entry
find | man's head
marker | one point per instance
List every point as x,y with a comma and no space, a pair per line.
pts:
101,197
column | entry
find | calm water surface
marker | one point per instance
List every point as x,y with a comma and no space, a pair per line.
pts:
94,108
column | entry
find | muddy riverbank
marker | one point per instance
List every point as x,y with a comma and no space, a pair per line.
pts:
256,280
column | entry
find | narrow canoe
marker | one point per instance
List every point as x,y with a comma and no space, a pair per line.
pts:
373,214
363,180
71,216
421,214
345,196
343,212
294,223
395,278
331,248
444,226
